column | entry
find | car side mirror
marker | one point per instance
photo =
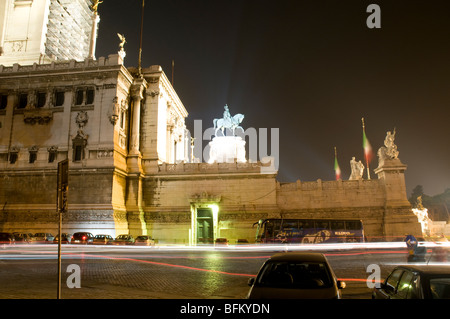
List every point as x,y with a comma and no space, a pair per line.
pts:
251,281
341,284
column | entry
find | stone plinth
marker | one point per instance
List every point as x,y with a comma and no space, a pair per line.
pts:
227,149
392,174
398,218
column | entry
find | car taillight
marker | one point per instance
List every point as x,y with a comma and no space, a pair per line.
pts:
84,237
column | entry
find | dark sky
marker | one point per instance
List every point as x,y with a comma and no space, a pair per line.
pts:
312,69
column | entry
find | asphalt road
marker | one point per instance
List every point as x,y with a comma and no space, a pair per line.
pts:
172,272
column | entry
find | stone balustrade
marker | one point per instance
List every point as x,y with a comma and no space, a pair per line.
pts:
207,168
111,60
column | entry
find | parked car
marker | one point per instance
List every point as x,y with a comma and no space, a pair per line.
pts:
144,240
103,239
22,238
295,275
7,239
221,242
65,238
242,241
415,282
82,238
123,240
42,238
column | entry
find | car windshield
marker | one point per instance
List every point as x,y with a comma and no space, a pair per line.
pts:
100,237
142,237
440,288
296,275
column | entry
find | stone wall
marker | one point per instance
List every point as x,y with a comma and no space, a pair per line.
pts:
97,180
29,202
244,196
329,194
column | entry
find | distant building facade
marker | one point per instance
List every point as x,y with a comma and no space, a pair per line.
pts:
43,31
130,164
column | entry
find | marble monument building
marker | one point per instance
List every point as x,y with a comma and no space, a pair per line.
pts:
130,164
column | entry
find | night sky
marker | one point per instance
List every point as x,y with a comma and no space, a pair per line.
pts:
312,69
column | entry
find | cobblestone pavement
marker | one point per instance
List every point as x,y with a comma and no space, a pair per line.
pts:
147,274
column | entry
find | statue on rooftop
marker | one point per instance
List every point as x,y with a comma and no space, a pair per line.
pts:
357,169
389,150
94,6
122,41
228,122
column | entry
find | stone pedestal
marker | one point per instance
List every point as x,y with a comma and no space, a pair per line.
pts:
392,173
135,213
227,149
134,164
398,218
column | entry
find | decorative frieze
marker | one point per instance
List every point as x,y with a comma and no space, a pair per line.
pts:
39,116
167,217
103,153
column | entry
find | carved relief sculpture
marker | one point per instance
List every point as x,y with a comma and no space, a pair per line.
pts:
81,120
114,111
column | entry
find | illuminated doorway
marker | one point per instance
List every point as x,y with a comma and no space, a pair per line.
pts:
204,219
205,226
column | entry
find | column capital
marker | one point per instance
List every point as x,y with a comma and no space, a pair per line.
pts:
138,88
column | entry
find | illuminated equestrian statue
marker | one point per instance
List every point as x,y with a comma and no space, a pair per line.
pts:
228,122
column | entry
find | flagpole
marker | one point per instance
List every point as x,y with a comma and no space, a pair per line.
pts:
335,152
365,155
140,41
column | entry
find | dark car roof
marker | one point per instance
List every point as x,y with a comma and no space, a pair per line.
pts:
428,269
298,256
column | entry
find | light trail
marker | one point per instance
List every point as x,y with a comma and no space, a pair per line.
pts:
251,247
180,266
85,252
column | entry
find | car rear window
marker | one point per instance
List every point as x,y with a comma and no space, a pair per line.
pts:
295,275
440,288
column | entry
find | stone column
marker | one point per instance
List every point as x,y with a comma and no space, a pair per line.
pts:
136,223
135,125
92,44
137,94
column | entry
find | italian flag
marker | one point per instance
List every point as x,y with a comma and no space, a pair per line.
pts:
337,170
368,154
